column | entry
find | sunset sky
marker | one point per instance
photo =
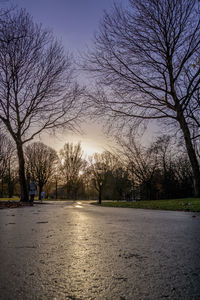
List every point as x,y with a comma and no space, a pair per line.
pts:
74,22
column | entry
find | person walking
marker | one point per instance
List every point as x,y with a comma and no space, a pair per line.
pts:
42,195
32,190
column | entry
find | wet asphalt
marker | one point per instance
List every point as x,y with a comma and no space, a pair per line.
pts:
80,251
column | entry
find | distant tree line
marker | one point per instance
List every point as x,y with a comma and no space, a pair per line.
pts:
133,172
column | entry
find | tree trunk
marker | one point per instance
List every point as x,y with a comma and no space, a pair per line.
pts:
2,190
10,182
56,189
40,191
191,153
22,179
100,194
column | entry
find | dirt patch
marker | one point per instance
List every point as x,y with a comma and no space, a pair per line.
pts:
14,204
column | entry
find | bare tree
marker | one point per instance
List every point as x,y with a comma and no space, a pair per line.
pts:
36,89
71,164
141,162
3,160
146,58
100,164
6,155
41,162
161,170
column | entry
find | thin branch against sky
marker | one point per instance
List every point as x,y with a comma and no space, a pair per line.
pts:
74,23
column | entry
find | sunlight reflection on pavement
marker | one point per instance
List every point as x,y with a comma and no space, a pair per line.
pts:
79,205
77,251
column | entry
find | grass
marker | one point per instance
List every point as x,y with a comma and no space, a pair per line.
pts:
10,199
185,204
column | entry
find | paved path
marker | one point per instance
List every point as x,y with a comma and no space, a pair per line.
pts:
79,251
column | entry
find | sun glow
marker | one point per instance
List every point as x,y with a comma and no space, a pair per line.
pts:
90,149
92,142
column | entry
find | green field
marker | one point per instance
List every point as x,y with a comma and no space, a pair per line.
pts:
10,199
186,204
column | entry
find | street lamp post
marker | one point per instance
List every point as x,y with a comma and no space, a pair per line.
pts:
28,183
56,182
56,188
100,190
100,184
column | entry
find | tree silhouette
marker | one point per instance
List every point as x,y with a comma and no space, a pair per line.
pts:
146,59
36,89
41,162
71,164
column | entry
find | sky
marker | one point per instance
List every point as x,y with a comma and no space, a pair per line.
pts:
74,23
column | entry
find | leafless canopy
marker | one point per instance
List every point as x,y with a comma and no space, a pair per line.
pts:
147,57
36,83
6,153
36,89
72,162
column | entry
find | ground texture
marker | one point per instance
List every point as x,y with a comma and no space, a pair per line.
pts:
14,204
79,251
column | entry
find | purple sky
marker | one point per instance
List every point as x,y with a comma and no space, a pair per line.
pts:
74,22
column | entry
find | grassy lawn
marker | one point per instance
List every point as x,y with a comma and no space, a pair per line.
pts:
186,204
10,199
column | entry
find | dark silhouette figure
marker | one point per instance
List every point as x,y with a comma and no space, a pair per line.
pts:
32,190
